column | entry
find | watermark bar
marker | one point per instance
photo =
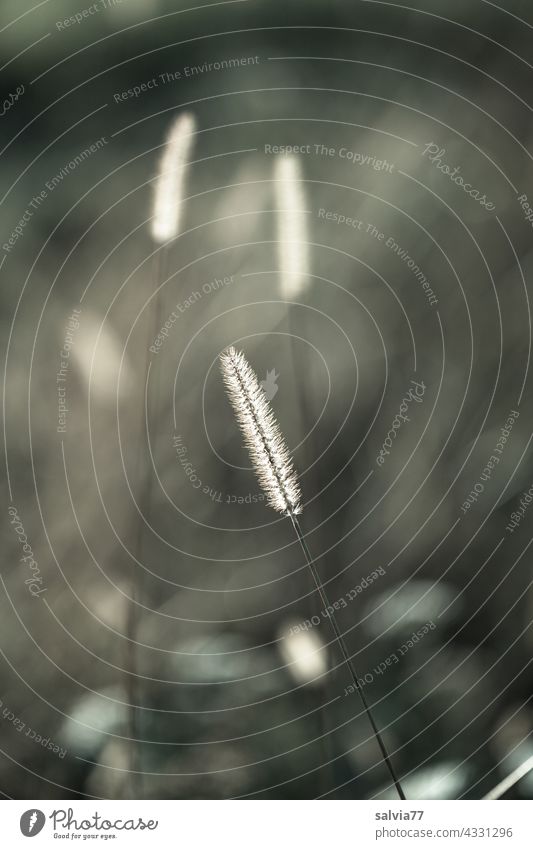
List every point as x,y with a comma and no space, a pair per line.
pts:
421,824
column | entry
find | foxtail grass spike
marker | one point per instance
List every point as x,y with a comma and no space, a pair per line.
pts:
273,466
292,229
270,456
170,181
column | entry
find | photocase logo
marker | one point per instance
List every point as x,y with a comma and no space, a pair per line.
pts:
269,384
32,822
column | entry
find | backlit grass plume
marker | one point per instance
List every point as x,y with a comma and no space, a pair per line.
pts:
273,466
270,456
170,180
292,226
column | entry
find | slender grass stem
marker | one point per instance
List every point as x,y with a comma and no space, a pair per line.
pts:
305,415
145,477
345,654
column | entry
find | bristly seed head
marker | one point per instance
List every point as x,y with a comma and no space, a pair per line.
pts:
170,180
268,451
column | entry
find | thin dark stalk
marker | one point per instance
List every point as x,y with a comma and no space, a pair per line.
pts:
145,476
305,415
345,654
